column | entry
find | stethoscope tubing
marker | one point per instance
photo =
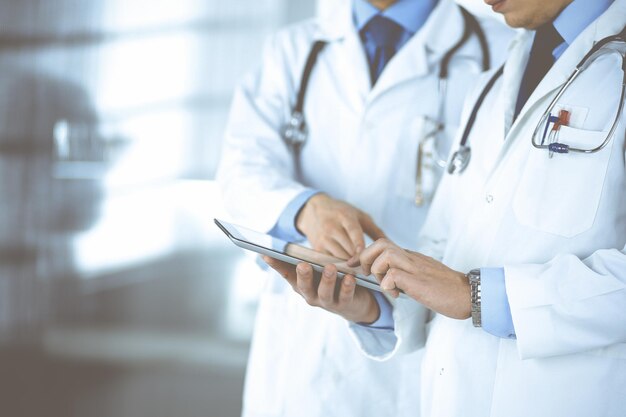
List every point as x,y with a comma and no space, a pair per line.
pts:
460,158
582,65
478,105
295,133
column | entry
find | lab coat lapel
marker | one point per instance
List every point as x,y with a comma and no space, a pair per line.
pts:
424,49
519,51
512,78
345,51
354,69
606,25
552,80
410,62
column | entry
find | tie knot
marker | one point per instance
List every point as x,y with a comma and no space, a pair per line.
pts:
547,38
383,32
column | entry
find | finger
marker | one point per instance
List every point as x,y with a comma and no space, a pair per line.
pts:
305,282
391,257
394,293
395,257
347,290
286,270
326,289
380,267
371,253
355,234
354,261
393,281
385,260
332,247
370,228
343,239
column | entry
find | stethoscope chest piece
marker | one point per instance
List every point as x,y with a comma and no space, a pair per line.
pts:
295,132
460,159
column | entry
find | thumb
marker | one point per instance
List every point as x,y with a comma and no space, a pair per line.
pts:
370,228
389,286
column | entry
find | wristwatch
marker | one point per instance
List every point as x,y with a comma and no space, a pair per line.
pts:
473,277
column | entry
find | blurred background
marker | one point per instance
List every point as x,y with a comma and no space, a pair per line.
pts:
118,295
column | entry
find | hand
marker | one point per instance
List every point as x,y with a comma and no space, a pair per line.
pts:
422,278
335,227
352,302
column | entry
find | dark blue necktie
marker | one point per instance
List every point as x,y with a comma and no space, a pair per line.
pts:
385,34
539,62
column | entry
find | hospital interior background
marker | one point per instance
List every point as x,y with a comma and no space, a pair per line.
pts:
118,295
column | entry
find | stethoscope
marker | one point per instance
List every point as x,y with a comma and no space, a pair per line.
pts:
295,133
461,157
471,27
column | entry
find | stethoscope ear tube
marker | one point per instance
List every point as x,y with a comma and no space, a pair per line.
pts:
460,158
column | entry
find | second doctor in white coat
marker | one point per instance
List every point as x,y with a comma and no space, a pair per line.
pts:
363,140
553,310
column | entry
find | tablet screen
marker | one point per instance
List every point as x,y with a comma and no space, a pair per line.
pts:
289,249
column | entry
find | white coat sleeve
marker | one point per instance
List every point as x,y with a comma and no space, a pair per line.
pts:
569,305
256,172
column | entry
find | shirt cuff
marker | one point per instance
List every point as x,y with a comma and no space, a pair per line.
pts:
495,309
385,319
285,227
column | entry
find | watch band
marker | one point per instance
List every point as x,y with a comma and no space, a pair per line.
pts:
473,277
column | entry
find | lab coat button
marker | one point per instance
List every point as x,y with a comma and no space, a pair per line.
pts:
441,371
489,198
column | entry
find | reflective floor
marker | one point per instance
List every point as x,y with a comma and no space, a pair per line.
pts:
37,383
160,346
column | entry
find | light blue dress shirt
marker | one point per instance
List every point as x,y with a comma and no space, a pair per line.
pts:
285,227
575,18
411,15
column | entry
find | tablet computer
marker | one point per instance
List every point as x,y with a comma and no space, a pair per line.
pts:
291,252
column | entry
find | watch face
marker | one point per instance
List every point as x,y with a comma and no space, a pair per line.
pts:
474,273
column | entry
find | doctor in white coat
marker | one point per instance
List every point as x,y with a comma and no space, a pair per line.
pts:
365,132
534,244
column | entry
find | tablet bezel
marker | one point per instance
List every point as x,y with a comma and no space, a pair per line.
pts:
238,239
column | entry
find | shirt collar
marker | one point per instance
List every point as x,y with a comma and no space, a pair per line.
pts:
410,14
579,14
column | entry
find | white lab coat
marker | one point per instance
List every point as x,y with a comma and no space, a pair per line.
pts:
558,227
362,149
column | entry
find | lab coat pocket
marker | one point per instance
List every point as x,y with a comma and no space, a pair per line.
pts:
561,195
